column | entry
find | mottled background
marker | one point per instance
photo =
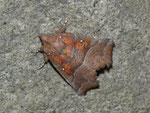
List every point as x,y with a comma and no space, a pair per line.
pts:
125,88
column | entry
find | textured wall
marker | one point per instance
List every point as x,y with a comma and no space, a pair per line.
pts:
125,88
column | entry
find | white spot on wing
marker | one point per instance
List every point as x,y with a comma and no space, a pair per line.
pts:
60,36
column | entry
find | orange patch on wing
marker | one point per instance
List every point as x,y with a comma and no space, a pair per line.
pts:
64,55
57,59
84,43
67,41
81,45
47,46
68,50
67,68
67,72
52,39
50,58
54,50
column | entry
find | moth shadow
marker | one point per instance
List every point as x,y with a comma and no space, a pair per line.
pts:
102,70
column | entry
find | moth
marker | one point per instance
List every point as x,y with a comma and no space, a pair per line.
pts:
77,57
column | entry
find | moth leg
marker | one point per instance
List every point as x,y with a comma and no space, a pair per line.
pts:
45,61
36,52
45,58
44,54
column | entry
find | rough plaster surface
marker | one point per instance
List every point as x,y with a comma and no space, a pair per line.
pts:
125,88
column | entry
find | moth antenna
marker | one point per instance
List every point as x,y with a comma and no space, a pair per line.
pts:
36,52
39,36
66,21
42,66
62,29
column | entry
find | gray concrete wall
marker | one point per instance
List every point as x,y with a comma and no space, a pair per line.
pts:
125,88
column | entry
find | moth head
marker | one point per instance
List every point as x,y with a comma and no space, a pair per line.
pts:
44,37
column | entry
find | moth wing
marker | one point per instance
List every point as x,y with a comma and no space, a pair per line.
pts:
100,55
